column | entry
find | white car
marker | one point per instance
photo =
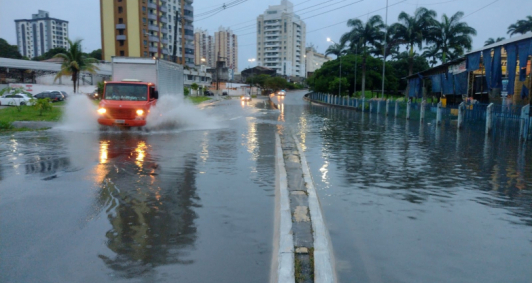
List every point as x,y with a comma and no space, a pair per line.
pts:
14,99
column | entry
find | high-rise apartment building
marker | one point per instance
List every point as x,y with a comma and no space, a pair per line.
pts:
147,28
40,34
281,40
204,48
314,60
226,48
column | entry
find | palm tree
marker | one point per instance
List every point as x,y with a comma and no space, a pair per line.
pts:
451,36
74,62
335,49
366,35
491,40
413,30
521,26
392,45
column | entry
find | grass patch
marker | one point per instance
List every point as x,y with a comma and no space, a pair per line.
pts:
21,130
198,99
28,113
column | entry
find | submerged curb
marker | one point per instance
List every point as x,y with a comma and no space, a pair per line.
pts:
323,253
285,254
34,125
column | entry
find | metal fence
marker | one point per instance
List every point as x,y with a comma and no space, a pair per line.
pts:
509,120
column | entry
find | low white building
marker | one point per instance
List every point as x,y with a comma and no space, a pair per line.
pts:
314,60
198,75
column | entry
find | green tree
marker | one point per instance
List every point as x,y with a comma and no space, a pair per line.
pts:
9,51
368,34
492,41
50,54
75,62
258,80
337,84
194,86
521,26
413,30
451,37
275,83
335,49
96,54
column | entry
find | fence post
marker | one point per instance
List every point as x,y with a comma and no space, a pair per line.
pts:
461,115
363,103
396,108
378,106
370,106
356,102
408,110
422,112
525,118
489,118
387,106
438,114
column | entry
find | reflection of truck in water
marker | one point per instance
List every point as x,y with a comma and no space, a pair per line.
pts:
136,85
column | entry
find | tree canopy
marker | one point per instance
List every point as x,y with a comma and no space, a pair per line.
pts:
9,51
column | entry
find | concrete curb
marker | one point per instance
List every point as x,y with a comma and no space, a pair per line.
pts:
34,125
284,238
323,253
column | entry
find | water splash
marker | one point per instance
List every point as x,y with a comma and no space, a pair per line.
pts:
80,114
172,112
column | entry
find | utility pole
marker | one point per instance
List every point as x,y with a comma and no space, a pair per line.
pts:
384,51
218,64
175,36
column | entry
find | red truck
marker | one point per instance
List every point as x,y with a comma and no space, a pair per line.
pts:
135,88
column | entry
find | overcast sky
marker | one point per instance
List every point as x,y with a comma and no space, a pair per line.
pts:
84,17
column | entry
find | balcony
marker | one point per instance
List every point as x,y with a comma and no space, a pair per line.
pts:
153,49
120,37
189,56
165,51
153,38
189,37
164,9
164,41
153,28
164,30
152,16
152,5
190,27
164,19
120,26
189,7
189,18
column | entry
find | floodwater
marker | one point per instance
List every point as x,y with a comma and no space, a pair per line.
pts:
194,204
409,202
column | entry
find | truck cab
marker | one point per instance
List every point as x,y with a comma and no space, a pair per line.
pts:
126,103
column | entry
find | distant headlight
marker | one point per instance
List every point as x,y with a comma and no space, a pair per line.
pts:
102,111
140,112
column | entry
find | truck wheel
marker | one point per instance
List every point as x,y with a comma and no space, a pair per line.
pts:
103,128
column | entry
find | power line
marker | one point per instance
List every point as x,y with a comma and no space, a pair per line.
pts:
223,8
480,9
333,9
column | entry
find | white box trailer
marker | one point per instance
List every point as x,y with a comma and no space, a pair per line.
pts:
167,76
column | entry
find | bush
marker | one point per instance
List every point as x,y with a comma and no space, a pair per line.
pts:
42,104
187,91
6,125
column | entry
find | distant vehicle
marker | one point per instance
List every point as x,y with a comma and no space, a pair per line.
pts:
65,95
208,93
246,97
281,93
137,82
224,93
55,96
14,100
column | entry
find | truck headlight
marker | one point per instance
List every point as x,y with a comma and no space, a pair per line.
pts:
140,112
102,111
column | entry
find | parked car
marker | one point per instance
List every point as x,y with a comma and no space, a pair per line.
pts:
55,96
208,93
224,93
15,99
65,94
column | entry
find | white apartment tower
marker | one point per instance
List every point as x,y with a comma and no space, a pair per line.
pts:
40,34
226,48
204,48
281,40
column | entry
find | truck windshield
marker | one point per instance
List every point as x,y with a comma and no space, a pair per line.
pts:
129,92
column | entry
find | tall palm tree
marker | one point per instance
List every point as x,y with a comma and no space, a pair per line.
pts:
413,30
392,45
368,34
521,26
335,49
491,40
452,37
74,62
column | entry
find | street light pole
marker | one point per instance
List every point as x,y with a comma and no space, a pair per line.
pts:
340,57
174,50
252,74
356,62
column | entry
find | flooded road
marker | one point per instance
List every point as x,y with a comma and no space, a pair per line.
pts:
185,206
406,202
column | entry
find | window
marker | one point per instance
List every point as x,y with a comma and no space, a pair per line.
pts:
120,10
121,42
144,20
145,42
143,9
145,54
120,20
122,53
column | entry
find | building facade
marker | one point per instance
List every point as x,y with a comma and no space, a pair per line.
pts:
40,34
281,40
147,28
314,60
204,48
226,48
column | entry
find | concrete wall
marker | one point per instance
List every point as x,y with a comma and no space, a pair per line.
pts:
65,80
37,88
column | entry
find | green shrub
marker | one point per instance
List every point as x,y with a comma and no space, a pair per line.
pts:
42,104
6,125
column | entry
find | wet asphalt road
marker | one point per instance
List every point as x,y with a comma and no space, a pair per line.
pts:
177,206
407,202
